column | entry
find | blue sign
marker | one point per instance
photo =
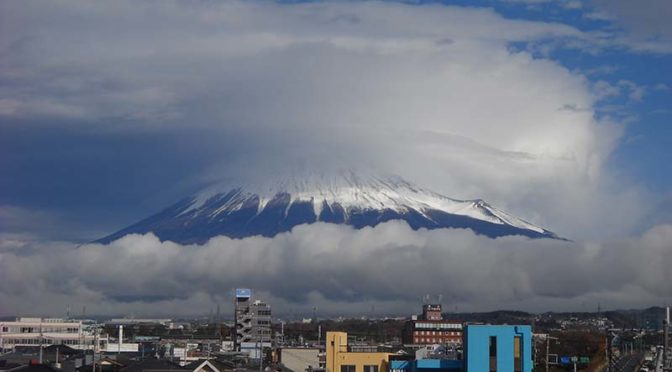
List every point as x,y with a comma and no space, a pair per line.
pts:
565,360
243,293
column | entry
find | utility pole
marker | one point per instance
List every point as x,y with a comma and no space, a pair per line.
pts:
218,325
261,356
121,338
666,331
40,340
548,348
95,344
610,354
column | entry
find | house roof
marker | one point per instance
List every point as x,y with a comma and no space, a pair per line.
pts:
152,365
35,368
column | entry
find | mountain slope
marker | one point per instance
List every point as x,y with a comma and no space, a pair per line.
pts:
274,206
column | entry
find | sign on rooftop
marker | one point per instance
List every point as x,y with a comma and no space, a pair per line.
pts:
243,293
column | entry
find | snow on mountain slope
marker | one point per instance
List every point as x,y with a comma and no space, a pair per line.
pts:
277,204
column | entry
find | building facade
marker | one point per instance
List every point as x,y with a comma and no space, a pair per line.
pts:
487,348
49,331
253,321
341,359
430,328
261,321
505,348
300,359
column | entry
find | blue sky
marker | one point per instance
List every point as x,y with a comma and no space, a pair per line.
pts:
559,112
644,151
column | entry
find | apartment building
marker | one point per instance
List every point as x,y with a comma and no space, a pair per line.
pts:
49,331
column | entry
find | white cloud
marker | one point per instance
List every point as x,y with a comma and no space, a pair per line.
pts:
603,89
345,273
572,4
430,92
636,91
661,87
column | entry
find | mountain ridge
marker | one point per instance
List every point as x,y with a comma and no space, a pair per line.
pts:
243,209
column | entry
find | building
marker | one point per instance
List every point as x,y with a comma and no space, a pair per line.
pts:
49,331
131,321
120,346
261,322
503,348
506,348
426,365
243,317
299,359
253,323
430,328
341,359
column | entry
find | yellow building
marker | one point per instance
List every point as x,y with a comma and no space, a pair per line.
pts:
339,359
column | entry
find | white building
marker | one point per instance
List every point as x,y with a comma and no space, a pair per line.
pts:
120,346
48,331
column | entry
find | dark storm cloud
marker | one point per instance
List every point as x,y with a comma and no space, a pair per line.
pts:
107,178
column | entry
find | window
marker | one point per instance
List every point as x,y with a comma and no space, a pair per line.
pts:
370,368
347,368
5,329
517,357
493,353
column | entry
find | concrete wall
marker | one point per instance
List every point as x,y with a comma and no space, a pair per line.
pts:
299,359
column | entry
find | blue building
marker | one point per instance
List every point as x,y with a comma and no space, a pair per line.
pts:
426,365
498,348
487,348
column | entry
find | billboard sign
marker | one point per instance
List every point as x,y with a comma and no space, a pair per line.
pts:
243,293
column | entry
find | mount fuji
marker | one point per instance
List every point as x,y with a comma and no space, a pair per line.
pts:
273,206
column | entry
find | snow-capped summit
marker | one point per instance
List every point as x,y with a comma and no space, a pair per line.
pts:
275,205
